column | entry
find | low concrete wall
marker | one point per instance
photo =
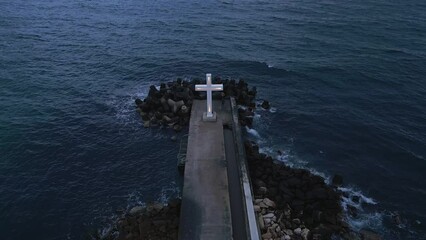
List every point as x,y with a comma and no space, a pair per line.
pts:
253,232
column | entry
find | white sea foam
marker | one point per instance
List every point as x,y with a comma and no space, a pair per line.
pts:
266,150
372,220
363,219
252,132
351,192
242,107
168,193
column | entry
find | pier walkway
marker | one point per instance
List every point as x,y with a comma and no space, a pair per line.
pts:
216,198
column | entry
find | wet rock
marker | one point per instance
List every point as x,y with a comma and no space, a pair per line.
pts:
353,211
136,210
138,102
396,218
355,199
298,194
153,92
265,105
337,180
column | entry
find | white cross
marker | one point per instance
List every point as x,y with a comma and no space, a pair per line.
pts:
209,87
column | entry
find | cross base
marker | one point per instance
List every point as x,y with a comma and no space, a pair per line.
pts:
211,118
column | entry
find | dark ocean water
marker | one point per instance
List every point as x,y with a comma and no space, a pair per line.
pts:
346,80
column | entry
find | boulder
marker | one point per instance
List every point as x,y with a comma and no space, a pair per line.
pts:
269,203
355,199
265,105
297,231
261,222
138,101
305,234
256,208
318,194
288,232
263,205
337,180
184,109
263,190
352,211
296,221
153,92
175,106
396,218
267,236
136,210
259,183
177,128
164,104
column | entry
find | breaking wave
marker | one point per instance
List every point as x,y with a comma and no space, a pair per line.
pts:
352,197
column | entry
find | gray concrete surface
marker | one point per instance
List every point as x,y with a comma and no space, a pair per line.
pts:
216,198
205,212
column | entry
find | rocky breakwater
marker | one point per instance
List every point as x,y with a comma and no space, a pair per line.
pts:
154,221
170,105
293,203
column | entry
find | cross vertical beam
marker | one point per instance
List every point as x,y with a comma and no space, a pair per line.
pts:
209,88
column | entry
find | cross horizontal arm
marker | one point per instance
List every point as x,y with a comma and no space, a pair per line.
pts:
212,87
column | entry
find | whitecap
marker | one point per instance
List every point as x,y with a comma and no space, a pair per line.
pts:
266,150
373,221
168,193
352,192
252,132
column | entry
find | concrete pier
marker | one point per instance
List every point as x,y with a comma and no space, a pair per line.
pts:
214,199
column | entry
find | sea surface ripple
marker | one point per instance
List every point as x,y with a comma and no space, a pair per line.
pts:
346,80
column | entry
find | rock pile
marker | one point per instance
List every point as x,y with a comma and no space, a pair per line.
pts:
293,203
171,104
277,224
155,221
